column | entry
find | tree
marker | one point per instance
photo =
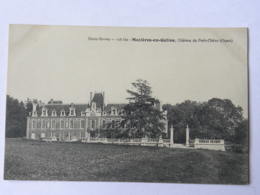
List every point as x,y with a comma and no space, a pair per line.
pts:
28,107
181,115
241,133
15,118
142,115
216,118
220,118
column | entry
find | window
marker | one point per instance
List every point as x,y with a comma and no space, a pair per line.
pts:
44,124
62,124
82,124
72,112
62,113
34,124
104,124
113,124
93,124
89,123
75,124
48,124
93,106
78,124
39,124
58,124
44,112
53,113
71,124
53,124
117,123
34,113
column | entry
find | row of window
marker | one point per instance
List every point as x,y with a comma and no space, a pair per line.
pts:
57,124
58,135
71,124
71,113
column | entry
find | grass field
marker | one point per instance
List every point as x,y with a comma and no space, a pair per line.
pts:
33,160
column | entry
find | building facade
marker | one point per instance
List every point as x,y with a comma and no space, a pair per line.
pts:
73,122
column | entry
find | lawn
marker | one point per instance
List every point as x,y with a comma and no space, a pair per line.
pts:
34,160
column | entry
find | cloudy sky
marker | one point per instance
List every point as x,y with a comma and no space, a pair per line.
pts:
60,62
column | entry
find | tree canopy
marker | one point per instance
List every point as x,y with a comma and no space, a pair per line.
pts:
142,114
15,118
216,118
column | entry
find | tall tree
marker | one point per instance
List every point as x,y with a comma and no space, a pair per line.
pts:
142,114
15,118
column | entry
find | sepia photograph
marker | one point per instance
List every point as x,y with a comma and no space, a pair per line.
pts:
127,104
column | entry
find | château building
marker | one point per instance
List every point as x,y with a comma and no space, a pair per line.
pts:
74,122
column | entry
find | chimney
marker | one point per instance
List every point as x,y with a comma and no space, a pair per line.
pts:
90,97
103,94
34,108
34,104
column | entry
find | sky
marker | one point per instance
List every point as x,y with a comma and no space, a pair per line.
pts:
66,63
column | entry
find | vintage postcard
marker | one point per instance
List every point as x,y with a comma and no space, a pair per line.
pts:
127,104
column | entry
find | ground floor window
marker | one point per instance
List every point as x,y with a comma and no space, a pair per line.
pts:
34,124
93,125
104,124
82,124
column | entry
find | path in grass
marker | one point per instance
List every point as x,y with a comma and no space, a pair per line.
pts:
35,160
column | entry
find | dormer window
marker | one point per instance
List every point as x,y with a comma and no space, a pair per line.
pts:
113,111
34,113
44,112
62,113
53,113
72,112
93,106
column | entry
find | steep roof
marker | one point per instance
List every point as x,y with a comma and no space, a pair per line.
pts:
98,99
59,107
117,106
